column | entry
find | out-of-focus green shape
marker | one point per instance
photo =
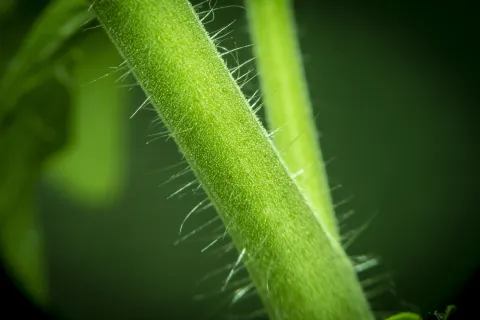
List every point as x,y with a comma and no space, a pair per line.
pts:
48,39
33,116
449,311
413,316
6,7
92,167
34,131
446,315
405,316
22,248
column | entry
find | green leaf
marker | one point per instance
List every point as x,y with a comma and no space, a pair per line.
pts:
23,250
6,7
33,113
448,311
446,315
91,168
47,40
34,131
405,316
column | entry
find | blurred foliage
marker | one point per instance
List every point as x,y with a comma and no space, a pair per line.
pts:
6,7
47,106
405,316
38,56
32,127
35,131
90,169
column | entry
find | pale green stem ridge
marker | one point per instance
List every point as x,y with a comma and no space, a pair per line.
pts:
287,103
300,271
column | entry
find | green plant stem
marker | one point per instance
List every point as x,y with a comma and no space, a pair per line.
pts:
287,102
299,270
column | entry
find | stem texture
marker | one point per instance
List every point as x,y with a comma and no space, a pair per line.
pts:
287,102
300,271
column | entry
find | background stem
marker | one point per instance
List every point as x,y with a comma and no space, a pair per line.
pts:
287,102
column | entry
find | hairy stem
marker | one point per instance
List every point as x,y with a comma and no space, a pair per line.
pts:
300,271
287,102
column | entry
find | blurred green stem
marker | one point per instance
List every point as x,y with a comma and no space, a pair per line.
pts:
300,270
287,102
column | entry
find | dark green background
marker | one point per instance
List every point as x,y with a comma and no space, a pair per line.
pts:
394,90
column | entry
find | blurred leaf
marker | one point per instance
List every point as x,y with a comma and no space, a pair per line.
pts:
33,113
22,246
445,315
91,168
6,6
34,131
46,41
405,316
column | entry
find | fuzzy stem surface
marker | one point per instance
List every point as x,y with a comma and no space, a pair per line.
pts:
300,271
287,102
